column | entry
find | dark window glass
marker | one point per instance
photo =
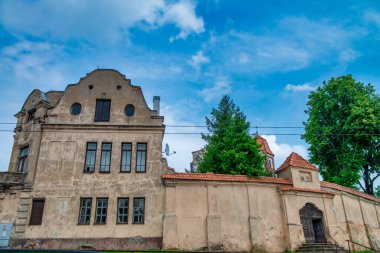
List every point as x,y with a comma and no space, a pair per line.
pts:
141,157
126,157
90,157
37,212
22,159
76,109
105,161
31,114
138,210
102,112
122,210
85,210
101,211
129,110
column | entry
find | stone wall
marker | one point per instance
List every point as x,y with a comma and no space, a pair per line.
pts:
243,216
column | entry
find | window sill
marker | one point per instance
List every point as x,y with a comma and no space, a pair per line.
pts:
140,171
124,171
105,172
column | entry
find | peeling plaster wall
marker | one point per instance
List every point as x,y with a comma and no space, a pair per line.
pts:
241,217
9,201
232,217
55,169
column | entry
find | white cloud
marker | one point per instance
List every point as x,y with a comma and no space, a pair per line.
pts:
36,64
220,88
97,20
283,150
293,43
183,15
183,144
176,69
243,58
198,59
372,16
299,87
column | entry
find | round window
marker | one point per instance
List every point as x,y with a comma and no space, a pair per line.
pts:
129,110
76,109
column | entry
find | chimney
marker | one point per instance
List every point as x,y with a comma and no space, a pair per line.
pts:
156,104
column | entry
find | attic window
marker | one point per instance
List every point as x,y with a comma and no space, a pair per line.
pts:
90,86
76,108
102,110
31,114
129,110
305,176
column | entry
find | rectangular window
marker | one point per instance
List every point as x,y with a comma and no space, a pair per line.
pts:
85,211
22,159
305,176
105,160
138,210
90,157
31,114
102,110
37,212
101,211
122,210
126,157
141,157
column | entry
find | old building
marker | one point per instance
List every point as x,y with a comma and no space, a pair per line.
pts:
86,171
89,165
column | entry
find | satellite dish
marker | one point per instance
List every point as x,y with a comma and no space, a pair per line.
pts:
167,150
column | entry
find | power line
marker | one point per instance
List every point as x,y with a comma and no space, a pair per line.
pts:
186,133
172,126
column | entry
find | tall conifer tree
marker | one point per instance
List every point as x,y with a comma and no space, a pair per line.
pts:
230,149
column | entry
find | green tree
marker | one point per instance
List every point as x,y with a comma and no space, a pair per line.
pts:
343,132
377,193
229,147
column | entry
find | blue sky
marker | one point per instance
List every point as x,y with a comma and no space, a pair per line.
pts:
267,55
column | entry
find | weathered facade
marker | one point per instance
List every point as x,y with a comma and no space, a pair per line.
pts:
75,141
86,171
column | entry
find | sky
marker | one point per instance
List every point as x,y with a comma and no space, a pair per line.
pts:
267,55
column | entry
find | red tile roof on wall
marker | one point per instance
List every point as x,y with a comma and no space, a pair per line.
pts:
349,190
225,178
264,145
288,186
291,188
295,160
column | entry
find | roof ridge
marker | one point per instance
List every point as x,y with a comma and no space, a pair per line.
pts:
295,160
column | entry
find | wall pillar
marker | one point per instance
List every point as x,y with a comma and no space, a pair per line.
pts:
214,225
255,220
23,212
170,238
